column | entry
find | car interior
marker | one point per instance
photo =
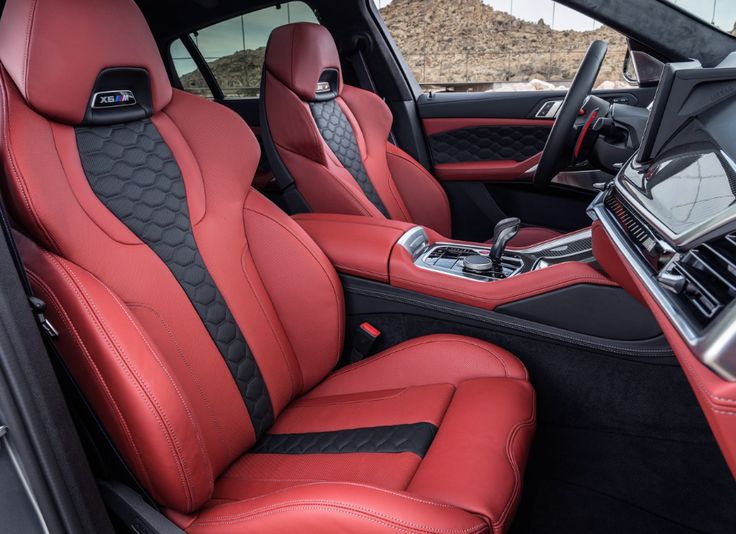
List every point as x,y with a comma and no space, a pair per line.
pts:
318,295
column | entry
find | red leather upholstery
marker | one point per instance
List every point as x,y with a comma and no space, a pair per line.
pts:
296,57
717,397
43,43
360,246
155,376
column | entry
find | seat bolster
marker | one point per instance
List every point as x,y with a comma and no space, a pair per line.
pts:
334,507
435,359
143,406
423,195
478,456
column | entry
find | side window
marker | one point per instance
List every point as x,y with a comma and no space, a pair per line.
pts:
498,45
189,75
235,49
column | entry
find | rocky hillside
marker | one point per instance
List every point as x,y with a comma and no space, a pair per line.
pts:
457,41
467,40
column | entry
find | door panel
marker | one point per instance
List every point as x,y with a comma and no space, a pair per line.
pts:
484,148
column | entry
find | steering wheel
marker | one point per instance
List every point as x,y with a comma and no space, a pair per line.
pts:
558,152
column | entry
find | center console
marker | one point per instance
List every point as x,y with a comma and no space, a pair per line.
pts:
418,259
483,264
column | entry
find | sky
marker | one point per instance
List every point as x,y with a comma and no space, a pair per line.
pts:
568,19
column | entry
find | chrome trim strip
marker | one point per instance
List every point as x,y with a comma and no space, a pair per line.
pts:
716,345
414,241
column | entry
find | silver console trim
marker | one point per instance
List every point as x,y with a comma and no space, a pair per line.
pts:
414,241
421,264
716,345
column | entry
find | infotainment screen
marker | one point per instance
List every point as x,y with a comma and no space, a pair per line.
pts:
686,92
684,191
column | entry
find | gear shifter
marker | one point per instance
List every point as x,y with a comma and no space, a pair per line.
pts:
504,232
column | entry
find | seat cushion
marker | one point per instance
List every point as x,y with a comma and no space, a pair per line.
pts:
354,453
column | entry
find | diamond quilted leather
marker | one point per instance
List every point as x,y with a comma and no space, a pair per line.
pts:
132,171
340,137
488,143
416,438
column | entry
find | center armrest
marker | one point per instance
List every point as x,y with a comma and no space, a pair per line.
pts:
356,245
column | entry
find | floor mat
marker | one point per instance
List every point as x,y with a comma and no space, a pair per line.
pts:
581,480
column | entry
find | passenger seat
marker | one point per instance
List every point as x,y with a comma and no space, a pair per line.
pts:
204,326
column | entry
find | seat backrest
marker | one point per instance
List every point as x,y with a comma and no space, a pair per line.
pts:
332,138
170,280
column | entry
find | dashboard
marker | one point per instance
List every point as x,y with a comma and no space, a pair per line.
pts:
671,210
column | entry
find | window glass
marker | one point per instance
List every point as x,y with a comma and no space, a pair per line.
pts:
498,45
719,13
235,48
189,75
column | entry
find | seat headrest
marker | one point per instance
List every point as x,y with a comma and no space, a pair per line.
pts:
303,56
83,61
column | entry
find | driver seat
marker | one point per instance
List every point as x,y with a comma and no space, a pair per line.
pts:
331,140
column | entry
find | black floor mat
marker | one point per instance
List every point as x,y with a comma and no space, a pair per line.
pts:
599,482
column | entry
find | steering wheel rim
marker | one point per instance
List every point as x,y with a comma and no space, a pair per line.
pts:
582,85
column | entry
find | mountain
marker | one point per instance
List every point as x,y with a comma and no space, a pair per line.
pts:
450,41
467,40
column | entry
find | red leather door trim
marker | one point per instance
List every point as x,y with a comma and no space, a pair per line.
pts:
485,171
436,126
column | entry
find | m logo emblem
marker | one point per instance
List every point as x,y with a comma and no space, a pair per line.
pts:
113,99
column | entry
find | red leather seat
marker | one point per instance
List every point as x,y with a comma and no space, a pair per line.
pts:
331,139
209,363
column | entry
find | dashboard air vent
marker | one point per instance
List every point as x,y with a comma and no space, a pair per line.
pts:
644,239
708,273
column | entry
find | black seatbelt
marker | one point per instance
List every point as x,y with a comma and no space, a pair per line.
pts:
96,441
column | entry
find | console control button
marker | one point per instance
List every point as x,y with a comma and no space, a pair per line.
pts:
477,264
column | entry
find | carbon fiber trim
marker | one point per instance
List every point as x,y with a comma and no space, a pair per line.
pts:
132,171
415,438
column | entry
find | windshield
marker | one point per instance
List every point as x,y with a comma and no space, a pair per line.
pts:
719,13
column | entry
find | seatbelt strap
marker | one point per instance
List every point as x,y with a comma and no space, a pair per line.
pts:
95,435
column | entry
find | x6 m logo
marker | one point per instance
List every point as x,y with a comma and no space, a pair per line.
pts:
113,99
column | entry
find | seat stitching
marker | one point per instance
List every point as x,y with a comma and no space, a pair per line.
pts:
289,364
154,406
52,299
348,111
27,47
17,175
357,198
412,346
334,505
165,369
335,290
422,170
203,394
363,515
